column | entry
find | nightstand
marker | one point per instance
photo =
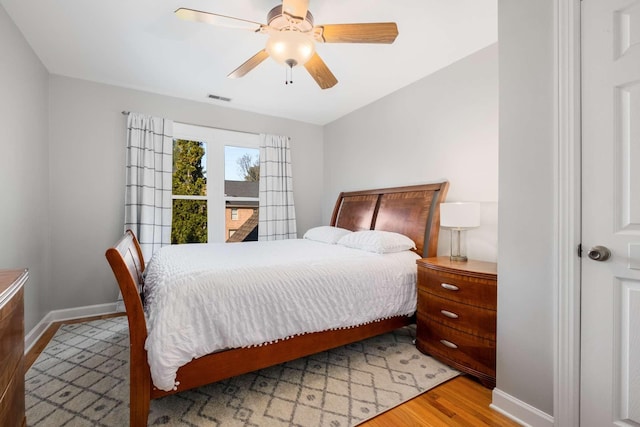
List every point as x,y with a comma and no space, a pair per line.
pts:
456,317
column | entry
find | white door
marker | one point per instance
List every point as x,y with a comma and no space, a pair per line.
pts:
610,326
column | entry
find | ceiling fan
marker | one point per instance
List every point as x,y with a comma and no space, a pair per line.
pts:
292,37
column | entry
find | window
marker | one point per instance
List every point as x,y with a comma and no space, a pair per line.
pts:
215,185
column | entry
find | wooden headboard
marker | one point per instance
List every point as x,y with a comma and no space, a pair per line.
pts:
413,211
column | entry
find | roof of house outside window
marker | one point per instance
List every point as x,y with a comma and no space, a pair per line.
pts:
240,188
250,227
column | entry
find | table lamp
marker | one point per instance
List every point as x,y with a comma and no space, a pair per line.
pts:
459,217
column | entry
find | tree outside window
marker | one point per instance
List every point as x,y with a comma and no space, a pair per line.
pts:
189,224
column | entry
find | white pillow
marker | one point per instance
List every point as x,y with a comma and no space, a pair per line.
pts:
326,234
381,242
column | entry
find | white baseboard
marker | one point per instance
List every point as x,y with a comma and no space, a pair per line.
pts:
519,411
67,314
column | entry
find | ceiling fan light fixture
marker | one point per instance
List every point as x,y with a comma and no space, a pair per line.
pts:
290,47
292,37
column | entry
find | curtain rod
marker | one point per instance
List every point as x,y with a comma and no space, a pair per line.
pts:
126,113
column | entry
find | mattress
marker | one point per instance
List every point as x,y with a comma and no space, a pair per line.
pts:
202,298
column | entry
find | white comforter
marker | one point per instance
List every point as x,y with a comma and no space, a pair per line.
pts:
202,298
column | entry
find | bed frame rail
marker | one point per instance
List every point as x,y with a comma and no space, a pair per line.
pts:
224,364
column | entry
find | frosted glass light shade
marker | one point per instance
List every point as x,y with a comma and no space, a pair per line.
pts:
290,47
460,215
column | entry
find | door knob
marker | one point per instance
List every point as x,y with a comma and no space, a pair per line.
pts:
599,253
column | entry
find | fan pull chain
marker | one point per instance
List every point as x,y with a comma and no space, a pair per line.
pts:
288,73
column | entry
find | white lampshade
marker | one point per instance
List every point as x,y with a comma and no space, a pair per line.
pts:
460,215
290,47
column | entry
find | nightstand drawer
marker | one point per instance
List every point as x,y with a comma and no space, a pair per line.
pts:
457,348
469,290
464,317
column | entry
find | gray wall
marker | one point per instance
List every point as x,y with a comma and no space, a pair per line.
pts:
527,183
87,157
444,126
24,170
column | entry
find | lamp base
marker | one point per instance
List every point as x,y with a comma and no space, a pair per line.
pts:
458,252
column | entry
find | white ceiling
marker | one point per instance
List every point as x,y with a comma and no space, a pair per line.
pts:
140,44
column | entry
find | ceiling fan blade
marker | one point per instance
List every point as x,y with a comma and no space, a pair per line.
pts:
320,72
296,9
215,19
377,32
249,65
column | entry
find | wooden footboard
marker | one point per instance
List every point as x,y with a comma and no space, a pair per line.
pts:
127,263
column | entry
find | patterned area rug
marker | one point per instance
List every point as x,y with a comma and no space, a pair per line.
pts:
81,378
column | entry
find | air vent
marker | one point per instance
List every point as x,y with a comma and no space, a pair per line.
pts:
220,98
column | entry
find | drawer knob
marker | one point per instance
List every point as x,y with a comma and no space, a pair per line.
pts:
449,314
449,287
448,344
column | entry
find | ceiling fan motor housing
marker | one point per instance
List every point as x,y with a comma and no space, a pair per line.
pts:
278,20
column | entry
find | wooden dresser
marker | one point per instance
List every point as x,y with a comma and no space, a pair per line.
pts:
12,411
456,318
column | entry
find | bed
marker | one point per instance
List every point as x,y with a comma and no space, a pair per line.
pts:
412,211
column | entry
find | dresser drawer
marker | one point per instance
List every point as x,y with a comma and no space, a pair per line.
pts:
469,290
463,317
457,348
12,404
11,337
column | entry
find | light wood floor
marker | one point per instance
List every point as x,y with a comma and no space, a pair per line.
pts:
461,401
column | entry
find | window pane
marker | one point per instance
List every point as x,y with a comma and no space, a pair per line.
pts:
189,168
241,164
242,176
189,223
244,228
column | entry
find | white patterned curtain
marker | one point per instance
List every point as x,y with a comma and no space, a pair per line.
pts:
277,215
148,181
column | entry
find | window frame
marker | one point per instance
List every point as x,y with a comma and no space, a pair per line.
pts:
215,140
